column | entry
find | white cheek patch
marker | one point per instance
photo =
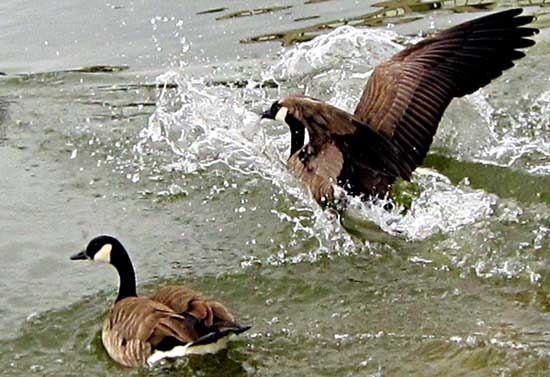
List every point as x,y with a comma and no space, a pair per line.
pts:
281,114
104,254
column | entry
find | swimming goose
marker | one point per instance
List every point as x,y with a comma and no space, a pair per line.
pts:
174,322
393,125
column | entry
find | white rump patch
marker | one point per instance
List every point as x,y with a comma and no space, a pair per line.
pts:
104,254
188,349
178,351
281,114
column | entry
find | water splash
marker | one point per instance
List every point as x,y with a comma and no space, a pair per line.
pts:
522,136
343,48
208,126
441,208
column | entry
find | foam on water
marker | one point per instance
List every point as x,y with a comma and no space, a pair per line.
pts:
345,47
440,208
522,136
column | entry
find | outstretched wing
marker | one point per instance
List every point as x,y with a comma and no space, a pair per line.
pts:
406,96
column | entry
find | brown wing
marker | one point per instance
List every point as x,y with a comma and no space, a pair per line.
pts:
187,302
137,325
406,96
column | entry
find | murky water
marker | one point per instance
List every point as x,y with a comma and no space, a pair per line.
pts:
139,119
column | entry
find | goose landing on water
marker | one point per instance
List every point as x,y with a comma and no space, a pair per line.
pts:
174,322
392,128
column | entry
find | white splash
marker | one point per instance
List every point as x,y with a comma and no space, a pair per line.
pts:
345,46
207,125
440,208
519,138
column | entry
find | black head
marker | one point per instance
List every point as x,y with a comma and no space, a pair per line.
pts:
101,249
274,112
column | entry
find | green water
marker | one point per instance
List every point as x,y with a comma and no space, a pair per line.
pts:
138,119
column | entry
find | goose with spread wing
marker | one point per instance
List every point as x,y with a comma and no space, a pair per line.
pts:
393,126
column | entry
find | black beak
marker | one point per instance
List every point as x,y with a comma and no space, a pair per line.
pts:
79,256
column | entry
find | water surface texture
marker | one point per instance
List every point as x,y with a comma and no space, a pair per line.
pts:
139,119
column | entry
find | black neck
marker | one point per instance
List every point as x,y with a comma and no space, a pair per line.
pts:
297,134
126,275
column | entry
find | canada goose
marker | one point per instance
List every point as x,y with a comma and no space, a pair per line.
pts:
174,322
392,128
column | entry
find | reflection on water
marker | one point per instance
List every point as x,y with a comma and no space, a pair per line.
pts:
253,12
410,6
392,12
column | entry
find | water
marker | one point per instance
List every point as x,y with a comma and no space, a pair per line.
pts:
140,120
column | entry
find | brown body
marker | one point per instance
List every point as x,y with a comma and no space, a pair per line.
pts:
393,126
136,326
339,155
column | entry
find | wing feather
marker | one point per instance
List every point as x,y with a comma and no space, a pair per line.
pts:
207,315
406,96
